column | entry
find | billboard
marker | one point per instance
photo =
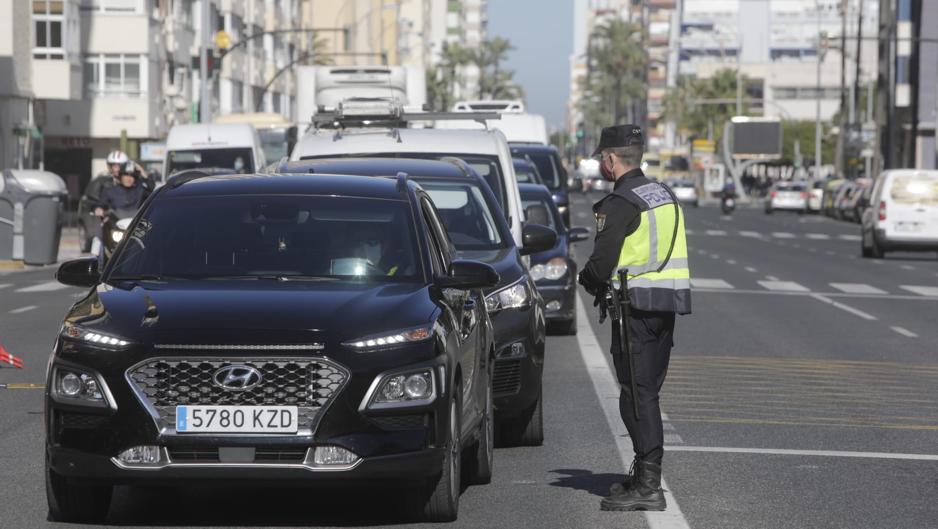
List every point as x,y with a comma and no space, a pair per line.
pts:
756,138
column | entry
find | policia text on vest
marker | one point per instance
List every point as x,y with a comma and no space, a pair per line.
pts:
640,241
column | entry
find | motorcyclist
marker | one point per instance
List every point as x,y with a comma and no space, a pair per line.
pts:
117,163
128,194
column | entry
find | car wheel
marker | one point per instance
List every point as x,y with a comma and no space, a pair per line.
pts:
876,252
528,428
71,501
84,238
768,211
440,501
865,249
480,472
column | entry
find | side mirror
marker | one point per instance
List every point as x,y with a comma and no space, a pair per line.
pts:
79,272
578,234
465,274
537,238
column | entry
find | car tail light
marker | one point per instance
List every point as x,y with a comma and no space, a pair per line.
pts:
882,210
804,195
774,194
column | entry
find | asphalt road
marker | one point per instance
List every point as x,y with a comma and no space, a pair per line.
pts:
800,394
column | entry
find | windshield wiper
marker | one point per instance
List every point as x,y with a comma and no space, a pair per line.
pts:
144,277
274,277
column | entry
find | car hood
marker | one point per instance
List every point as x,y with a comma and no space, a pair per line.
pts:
505,261
229,312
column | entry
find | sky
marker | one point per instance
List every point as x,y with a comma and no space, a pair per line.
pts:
543,40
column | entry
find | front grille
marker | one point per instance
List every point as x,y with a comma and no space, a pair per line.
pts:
308,383
261,455
507,377
401,422
81,421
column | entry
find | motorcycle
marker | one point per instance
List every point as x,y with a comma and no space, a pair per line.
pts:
114,228
728,204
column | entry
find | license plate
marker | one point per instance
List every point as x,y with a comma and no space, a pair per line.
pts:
236,419
908,226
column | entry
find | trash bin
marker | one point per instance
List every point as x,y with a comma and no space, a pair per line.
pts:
32,208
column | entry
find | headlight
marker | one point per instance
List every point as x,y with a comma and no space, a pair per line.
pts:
403,389
79,333
562,209
78,387
117,236
511,297
391,339
552,270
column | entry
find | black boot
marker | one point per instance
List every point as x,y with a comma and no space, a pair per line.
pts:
622,486
645,494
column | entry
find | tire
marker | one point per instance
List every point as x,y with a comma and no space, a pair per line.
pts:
876,252
528,428
83,239
439,501
480,469
768,211
72,501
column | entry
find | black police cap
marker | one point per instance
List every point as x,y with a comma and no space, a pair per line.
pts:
619,136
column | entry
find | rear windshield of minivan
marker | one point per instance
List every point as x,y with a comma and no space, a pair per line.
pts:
915,189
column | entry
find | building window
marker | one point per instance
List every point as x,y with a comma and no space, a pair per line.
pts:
48,21
113,6
237,96
114,75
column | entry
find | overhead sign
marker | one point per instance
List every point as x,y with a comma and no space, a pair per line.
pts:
755,138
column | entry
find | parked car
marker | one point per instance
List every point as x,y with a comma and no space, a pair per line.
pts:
903,213
685,191
469,212
553,174
308,329
816,196
852,204
526,171
828,202
788,196
554,270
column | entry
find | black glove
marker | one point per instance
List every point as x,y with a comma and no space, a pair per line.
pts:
584,279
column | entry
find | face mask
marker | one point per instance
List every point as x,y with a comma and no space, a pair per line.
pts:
372,252
606,170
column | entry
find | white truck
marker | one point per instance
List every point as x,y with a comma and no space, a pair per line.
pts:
327,86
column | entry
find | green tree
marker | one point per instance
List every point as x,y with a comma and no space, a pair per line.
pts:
615,80
494,81
700,107
445,75
802,133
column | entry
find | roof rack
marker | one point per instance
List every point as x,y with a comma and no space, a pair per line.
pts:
385,112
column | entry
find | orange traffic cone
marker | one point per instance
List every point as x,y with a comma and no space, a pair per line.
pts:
8,358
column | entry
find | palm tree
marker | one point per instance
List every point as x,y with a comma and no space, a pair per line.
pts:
616,71
700,107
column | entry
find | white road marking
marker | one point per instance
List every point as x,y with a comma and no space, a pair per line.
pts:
787,286
698,282
826,294
828,252
771,278
688,231
4,285
607,391
790,452
846,308
783,235
850,237
714,256
921,290
750,234
904,332
21,310
817,236
857,288
716,232
730,261
907,267
751,269
49,286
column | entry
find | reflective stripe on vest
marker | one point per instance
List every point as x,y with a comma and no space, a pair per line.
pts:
643,253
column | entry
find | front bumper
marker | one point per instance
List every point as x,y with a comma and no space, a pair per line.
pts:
563,295
519,358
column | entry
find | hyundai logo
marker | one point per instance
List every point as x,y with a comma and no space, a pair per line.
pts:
237,377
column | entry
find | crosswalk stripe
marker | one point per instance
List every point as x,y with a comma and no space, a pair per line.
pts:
750,234
857,288
49,286
904,332
783,235
4,285
716,232
698,282
921,290
849,237
688,231
817,236
21,310
786,286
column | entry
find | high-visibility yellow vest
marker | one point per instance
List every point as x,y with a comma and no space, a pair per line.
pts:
655,282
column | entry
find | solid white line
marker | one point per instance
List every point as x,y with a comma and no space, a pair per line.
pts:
828,294
607,391
48,286
841,306
788,286
857,288
904,332
789,452
20,310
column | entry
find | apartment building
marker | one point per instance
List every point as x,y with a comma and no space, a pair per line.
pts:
19,140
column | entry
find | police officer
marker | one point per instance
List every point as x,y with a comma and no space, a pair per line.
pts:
640,233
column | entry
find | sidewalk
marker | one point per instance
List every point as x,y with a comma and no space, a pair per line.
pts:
69,248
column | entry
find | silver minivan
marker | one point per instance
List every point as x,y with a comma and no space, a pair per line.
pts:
902,213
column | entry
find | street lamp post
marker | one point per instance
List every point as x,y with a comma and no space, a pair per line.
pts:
821,48
205,101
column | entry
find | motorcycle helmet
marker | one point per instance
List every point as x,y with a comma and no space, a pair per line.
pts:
117,157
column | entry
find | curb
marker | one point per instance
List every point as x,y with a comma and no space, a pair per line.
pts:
12,265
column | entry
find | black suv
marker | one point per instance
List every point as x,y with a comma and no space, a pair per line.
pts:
313,329
471,214
553,175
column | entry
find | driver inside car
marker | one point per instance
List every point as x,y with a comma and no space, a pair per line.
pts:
374,245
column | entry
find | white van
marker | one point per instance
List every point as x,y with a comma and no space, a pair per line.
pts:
517,125
235,146
902,214
486,151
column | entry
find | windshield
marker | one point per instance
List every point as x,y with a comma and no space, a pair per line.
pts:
527,174
536,215
467,216
279,237
205,158
274,143
547,168
487,166
915,189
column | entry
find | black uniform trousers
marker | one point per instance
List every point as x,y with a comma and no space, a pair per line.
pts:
651,334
